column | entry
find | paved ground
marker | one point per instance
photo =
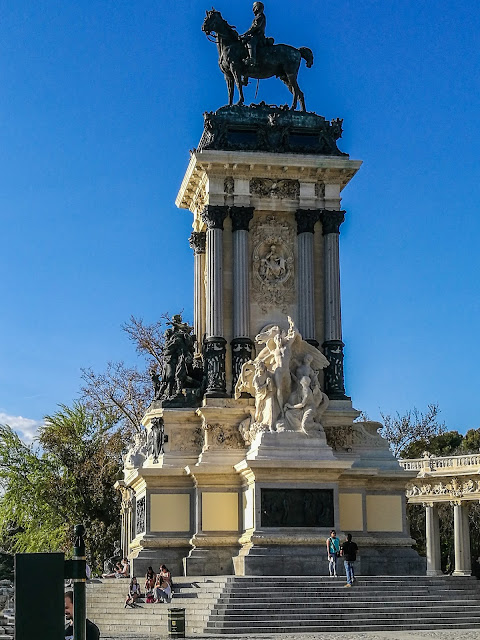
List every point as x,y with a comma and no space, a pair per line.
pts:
458,634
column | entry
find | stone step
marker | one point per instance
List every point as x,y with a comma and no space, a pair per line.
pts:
371,628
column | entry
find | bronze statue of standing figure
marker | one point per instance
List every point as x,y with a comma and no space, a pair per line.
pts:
252,55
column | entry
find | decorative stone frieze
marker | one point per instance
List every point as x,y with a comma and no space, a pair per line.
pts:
270,188
140,516
222,436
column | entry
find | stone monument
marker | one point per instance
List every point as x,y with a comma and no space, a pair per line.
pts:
252,450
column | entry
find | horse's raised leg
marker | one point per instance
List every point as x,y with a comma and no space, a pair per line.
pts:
231,87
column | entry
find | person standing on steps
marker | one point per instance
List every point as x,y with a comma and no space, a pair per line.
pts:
333,551
349,553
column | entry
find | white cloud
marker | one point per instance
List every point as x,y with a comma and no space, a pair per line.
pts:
25,427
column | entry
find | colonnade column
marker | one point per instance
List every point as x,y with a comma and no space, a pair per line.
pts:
242,344
306,219
333,345
432,530
197,243
461,533
214,350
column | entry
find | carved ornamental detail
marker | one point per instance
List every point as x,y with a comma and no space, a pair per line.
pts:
273,277
140,516
269,188
220,436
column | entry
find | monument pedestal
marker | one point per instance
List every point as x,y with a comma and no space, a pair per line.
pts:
252,481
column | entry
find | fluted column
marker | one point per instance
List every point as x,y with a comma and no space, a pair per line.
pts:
306,220
333,345
432,531
214,351
461,534
242,345
197,243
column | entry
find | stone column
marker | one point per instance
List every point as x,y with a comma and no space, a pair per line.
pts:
306,219
461,539
197,243
214,351
432,531
333,345
242,345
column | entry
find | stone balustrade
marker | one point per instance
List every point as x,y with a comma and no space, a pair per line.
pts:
457,464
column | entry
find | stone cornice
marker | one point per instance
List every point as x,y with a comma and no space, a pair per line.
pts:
254,164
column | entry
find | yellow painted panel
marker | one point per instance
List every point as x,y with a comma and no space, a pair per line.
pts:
384,513
219,511
351,512
248,507
169,512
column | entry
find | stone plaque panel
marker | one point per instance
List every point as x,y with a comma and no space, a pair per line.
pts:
297,508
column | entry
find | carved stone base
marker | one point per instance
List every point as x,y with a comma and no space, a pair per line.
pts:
214,355
334,379
290,445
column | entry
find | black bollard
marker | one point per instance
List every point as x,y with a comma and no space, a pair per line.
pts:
79,584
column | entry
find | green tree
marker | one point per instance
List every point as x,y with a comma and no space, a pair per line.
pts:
67,479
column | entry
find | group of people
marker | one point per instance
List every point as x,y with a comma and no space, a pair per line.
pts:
347,550
158,587
122,570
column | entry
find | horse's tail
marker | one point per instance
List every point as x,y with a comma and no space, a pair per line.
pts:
307,55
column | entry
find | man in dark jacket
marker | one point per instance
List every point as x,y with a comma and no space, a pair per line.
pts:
93,632
349,553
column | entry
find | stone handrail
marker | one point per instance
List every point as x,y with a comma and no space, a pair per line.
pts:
437,464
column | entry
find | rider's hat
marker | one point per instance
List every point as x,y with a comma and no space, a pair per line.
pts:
258,5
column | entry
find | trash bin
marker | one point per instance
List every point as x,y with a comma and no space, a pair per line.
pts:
176,623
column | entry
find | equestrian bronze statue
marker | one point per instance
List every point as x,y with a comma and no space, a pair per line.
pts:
252,55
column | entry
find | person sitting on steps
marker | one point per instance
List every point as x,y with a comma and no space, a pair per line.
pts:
133,593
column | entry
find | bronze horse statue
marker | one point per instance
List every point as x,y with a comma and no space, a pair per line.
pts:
280,60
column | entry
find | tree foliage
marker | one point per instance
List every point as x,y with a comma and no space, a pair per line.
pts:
126,392
401,431
67,479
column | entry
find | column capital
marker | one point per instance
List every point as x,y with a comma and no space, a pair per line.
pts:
306,220
331,221
197,241
214,215
241,217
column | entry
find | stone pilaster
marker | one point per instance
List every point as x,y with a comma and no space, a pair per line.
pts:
242,345
432,531
198,243
214,350
306,220
333,345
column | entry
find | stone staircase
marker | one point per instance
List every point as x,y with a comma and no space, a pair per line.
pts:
7,625
106,599
309,604
265,605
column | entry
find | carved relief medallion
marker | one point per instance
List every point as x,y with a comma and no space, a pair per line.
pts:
273,264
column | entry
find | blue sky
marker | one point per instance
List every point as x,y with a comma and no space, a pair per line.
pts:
100,103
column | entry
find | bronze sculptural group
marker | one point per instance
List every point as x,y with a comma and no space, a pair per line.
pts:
252,55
